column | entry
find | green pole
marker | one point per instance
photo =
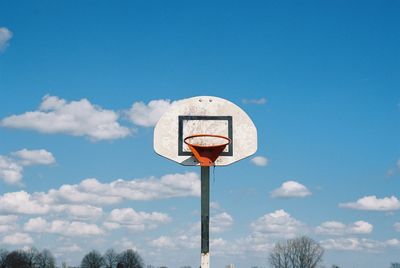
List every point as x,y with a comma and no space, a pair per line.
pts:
205,217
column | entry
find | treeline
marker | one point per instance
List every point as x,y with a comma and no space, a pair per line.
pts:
33,258
112,259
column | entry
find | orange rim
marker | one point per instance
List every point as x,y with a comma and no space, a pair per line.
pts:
228,140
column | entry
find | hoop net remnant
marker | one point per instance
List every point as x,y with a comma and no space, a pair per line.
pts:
206,148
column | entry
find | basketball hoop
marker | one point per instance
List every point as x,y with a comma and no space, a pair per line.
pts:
205,131
206,148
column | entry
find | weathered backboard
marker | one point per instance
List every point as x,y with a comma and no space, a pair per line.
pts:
205,115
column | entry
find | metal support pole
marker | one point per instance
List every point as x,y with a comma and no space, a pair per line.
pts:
205,216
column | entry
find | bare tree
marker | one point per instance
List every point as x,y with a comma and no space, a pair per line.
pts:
110,259
280,257
17,259
92,260
45,259
130,259
3,257
302,252
30,255
395,265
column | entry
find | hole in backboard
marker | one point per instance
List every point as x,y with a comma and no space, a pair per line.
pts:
215,125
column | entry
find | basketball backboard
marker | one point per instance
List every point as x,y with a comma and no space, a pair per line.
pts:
205,115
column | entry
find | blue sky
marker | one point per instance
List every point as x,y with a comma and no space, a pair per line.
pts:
320,81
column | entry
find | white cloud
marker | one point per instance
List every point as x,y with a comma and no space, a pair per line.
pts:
259,161
17,239
76,200
231,249
220,222
291,189
10,171
265,232
397,226
342,244
74,228
34,157
361,227
93,192
61,227
38,225
7,219
136,221
358,244
52,103
262,238
124,244
183,238
339,228
215,205
398,164
77,118
393,242
8,223
148,115
5,36
190,238
11,168
258,242
82,211
82,193
255,101
180,241
69,248
24,203
278,223
373,203
217,243
111,225
165,242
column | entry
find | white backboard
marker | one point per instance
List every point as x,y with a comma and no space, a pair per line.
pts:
205,115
